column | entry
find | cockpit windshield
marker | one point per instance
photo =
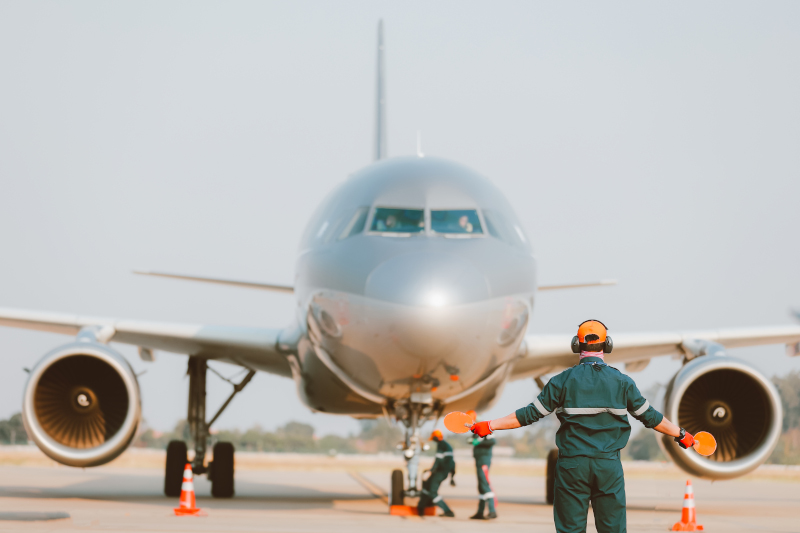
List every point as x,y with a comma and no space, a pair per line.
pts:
456,221
391,220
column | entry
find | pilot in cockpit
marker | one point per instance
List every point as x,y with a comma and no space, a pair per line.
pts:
388,224
465,224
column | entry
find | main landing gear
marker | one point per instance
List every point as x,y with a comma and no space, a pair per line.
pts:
220,469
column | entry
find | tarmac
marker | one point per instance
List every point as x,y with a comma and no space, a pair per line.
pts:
315,493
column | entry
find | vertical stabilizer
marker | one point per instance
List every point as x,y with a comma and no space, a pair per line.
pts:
380,101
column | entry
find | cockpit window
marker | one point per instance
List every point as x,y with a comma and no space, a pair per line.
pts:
456,221
391,220
500,228
356,223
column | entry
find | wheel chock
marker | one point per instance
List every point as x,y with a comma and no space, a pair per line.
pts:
410,510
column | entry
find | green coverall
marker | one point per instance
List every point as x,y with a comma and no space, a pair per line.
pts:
592,401
442,467
482,452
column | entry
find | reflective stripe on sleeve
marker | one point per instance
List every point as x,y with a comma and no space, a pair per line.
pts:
642,409
539,407
591,411
442,455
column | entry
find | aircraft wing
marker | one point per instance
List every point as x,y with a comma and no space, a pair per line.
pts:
543,354
251,347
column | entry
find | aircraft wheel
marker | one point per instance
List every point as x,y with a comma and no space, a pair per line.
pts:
550,487
397,495
173,471
222,476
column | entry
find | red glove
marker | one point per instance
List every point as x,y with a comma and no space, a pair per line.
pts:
481,429
685,440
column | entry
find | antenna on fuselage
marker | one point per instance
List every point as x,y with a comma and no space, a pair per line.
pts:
380,101
419,144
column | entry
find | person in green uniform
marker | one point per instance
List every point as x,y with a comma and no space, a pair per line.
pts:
443,466
592,401
482,452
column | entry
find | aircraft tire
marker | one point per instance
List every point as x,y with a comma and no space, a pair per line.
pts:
397,495
173,471
222,478
550,487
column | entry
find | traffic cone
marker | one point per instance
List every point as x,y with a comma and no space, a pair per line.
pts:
688,515
187,505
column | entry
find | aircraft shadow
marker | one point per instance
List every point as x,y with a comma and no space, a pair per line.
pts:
141,489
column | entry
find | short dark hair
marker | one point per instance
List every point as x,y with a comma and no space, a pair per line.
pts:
596,347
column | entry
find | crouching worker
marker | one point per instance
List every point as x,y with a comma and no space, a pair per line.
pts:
592,401
482,452
442,467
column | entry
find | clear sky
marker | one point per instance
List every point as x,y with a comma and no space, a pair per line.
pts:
654,143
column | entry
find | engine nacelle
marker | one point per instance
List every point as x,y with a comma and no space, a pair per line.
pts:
734,402
81,404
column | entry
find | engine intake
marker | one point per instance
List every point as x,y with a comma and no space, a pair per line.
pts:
734,402
81,405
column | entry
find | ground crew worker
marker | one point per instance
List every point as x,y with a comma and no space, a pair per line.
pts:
482,452
592,401
442,467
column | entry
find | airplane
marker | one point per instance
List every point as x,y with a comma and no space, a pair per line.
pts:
414,285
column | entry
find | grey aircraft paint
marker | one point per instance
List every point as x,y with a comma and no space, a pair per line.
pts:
426,313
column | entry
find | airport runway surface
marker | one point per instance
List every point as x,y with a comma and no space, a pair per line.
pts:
130,499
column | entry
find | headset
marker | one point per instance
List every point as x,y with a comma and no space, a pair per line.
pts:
607,346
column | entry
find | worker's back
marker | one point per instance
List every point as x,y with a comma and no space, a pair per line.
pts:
592,401
444,457
482,447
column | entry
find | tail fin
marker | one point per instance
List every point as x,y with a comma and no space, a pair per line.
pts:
380,101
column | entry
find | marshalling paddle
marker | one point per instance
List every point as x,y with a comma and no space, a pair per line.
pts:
458,422
704,443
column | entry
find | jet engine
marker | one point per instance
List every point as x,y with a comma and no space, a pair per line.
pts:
81,404
734,402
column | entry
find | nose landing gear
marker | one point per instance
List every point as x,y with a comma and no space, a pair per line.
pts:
413,415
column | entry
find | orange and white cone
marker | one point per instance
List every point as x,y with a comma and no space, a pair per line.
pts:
688,515
187,505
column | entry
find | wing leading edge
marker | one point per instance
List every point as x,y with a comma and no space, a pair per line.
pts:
232,282
251,347
542,354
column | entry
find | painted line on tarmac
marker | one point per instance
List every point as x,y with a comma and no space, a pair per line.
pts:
371,487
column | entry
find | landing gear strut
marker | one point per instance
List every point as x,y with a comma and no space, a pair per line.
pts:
197,412
220,469
413,415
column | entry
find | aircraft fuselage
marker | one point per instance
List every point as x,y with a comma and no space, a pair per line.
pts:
414,282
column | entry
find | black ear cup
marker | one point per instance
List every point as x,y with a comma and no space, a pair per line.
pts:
609,345
576,345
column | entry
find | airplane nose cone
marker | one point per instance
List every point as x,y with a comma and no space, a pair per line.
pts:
427,279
